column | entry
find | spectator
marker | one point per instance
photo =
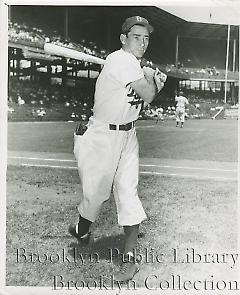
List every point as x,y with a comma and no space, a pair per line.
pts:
41,113
20,100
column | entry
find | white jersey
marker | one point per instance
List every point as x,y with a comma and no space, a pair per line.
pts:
115,101
181,101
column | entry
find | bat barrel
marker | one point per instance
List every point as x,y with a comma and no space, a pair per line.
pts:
55,49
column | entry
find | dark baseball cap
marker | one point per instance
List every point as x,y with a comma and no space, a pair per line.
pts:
136,20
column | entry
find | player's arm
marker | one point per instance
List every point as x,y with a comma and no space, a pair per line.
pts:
145,89
148,86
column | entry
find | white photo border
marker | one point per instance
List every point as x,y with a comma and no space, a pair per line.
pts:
12,290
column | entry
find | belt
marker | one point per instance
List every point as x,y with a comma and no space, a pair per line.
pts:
124,127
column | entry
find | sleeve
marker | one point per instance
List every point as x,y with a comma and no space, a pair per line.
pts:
128,70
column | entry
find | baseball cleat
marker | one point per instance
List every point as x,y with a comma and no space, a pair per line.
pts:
127,271
84,239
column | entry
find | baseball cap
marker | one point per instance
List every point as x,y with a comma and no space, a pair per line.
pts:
136,20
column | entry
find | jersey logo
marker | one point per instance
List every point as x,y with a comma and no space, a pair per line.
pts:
136,100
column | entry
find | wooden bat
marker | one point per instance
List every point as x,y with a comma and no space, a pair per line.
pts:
60,50
55,49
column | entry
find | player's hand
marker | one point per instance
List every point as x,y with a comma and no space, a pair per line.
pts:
148,73
159,78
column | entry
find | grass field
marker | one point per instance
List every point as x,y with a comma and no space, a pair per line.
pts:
195,216
198,140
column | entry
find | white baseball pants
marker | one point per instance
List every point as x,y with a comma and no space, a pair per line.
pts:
108,159
180,114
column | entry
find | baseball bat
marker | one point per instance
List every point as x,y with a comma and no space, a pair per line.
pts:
60,50
55,49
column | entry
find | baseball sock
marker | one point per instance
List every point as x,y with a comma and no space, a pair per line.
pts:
131,236
82,227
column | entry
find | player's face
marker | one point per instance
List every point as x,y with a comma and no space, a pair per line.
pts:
136,41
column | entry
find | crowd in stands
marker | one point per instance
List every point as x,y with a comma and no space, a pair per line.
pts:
17,32
171,68
41,102
202,104
84,46
32,101
158,113
35,36
207,72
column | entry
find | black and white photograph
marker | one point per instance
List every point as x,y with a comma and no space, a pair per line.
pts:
112,181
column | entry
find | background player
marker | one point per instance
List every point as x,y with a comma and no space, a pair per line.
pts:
107,153
181,101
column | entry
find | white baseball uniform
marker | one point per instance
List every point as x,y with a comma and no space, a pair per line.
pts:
107,158
180,108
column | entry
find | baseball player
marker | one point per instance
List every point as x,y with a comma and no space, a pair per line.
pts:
107,152
160,116
181,101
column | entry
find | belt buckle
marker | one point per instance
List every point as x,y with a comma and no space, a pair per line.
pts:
131,124
128,126
123,127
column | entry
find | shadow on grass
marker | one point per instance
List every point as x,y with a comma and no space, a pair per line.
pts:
106,248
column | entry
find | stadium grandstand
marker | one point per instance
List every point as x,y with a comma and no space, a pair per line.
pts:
49,87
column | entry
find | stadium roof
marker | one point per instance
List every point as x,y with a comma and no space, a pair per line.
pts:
184,18
102,24
162,20
224,12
